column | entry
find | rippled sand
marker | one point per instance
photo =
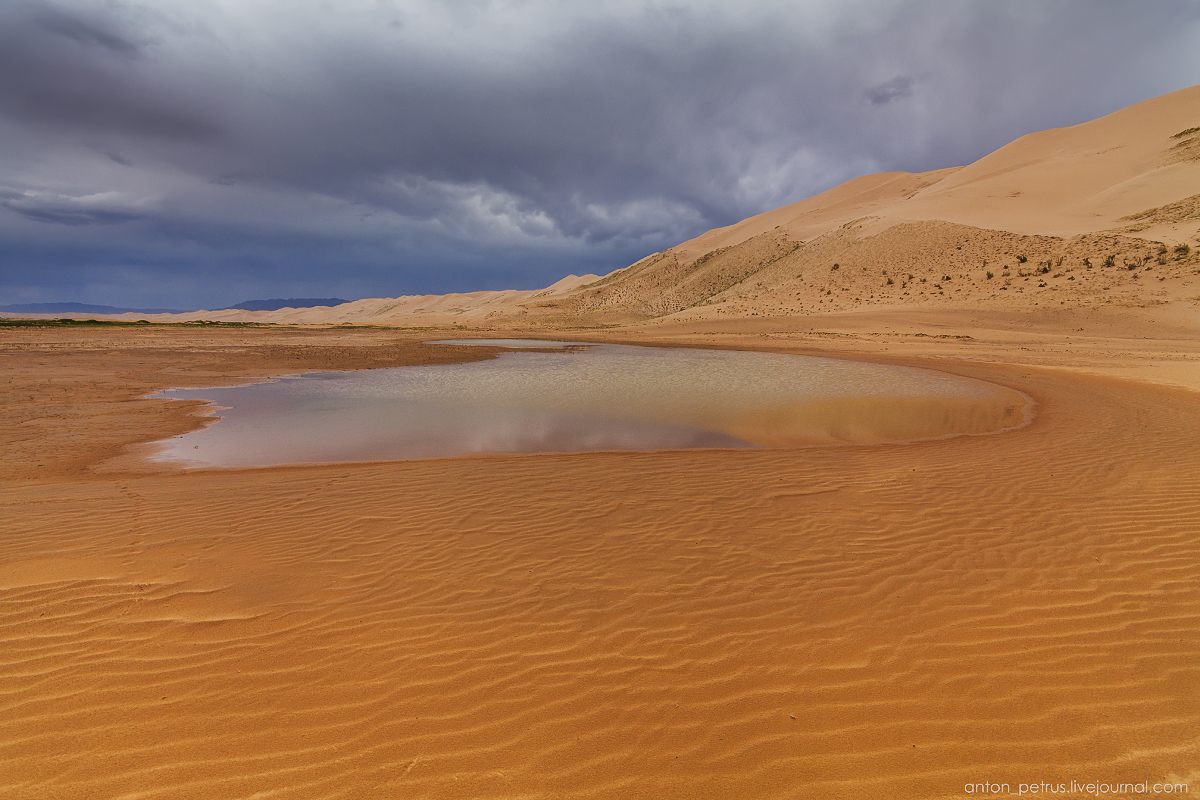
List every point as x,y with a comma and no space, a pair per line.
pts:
865,622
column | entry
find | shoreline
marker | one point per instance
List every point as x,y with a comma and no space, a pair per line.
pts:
209,410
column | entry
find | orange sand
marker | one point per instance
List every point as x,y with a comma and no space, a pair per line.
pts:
888,621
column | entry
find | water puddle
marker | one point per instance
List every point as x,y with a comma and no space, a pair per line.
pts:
577,397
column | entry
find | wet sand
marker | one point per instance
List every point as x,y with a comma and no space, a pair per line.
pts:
847,622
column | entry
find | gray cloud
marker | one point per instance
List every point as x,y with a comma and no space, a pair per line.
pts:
888,91
389,147
104,208
83,30
84,70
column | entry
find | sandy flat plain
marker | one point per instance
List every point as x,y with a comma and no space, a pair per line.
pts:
881,621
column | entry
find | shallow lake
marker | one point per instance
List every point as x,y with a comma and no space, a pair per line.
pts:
570,396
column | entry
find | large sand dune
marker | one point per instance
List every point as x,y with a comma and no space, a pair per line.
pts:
1125,187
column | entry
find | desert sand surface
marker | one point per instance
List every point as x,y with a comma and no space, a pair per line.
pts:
881,621
884,621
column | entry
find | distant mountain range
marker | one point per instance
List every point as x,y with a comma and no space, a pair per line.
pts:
293,302
81,308
89,308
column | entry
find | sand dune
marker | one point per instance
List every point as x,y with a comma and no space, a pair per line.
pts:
464,307
1077,216
1122,187
1060,182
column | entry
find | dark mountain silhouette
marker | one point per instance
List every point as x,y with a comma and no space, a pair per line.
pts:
81,308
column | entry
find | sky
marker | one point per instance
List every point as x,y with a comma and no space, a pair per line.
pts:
195,154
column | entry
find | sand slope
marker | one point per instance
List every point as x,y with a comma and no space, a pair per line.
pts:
1059,182
1076,216
465,307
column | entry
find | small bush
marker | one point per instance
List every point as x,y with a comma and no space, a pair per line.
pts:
1110,261
990,275
1087,262
835,266
1181,252
890,282
1021,259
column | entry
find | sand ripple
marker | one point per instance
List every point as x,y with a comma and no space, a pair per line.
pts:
858,622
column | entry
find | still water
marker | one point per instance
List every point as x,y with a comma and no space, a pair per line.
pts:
575,397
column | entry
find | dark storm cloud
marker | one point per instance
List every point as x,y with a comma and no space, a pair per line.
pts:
63,210
87,69
891,90
380,148
79,28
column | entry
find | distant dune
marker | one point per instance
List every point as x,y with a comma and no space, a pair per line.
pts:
409,310
294,302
